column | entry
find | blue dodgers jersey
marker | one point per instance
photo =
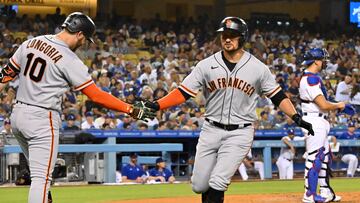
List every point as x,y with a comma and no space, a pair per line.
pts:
132,172
166,173
347,136
314,79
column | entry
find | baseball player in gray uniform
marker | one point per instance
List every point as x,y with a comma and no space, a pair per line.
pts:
231,81
47,67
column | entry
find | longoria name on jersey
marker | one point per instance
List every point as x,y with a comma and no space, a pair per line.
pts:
45,48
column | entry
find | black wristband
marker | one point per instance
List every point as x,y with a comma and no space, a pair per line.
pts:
153,105
296,118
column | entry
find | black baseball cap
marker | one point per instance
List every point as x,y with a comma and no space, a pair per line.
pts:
159,160
133,155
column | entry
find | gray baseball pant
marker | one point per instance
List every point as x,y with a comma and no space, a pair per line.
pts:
219,154
37,131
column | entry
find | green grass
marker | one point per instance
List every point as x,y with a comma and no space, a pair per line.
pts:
99,193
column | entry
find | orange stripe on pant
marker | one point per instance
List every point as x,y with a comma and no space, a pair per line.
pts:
50,158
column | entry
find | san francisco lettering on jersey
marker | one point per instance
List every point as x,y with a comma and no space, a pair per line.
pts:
231,82
46,48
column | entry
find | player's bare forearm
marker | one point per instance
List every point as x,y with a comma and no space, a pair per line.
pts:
325,105
287,107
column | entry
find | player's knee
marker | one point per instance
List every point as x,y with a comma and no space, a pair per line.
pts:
353,157
219,183
199,182
199,186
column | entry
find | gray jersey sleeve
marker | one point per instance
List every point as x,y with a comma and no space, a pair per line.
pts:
194,81
17,59
76,72
269,86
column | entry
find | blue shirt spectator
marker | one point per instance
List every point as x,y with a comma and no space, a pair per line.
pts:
160,173
132,172
350,133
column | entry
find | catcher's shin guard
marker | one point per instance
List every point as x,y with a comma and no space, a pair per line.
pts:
324,179
312,168
215,196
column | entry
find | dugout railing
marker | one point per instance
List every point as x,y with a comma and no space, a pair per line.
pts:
267,147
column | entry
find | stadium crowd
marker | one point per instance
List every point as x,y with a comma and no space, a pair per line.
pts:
146,59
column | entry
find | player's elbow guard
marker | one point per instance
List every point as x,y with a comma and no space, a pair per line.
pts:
278,97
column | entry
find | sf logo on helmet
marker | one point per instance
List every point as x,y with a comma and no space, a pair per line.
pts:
228,23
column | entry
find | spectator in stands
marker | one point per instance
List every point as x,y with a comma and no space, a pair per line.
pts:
198,117
355,97
349,156
264,122
70,123
289,123
162,126
279,120
343,90
177,50
250,164
143,126
89,122
160,173
132,172
110,121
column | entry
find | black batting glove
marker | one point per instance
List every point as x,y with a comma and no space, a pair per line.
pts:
301,123
152,105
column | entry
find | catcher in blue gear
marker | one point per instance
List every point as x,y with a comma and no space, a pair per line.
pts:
315,107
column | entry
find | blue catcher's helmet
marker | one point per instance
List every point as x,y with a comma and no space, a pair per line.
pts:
315,54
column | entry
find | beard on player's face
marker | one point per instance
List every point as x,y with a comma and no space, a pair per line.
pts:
80,40
230,42
231,47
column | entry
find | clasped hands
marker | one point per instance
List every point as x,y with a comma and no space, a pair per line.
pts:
143,110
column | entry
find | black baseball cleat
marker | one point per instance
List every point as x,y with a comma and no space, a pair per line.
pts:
50,197
215,196
204,197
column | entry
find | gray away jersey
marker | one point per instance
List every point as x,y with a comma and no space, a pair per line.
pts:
48,68
231,96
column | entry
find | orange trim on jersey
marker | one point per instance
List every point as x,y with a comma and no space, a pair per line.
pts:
174,98
84,85
105,99
14,63
187,90
50,158
273,92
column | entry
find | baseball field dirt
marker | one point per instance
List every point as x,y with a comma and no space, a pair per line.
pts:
347,197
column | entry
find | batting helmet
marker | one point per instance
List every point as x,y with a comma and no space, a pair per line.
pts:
235,24
315,54
77,22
